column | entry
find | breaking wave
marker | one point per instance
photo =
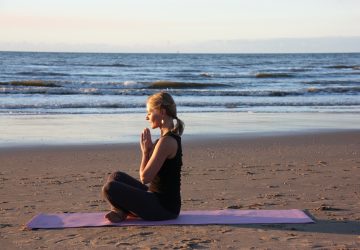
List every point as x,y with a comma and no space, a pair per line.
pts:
32,83
355,67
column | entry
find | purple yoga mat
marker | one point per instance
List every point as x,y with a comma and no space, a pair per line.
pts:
200,217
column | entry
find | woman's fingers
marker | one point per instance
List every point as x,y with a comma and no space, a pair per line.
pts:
146,132
145,139
147,135
142,138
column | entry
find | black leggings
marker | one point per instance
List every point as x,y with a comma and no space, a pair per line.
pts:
128,194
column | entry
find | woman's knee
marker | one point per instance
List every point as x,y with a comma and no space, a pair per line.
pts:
117,176
108,188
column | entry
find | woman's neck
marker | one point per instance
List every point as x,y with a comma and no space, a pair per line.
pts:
164,131
167,126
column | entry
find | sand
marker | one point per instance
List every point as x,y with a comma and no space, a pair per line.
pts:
317,172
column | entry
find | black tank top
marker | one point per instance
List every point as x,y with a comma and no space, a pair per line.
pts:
166,184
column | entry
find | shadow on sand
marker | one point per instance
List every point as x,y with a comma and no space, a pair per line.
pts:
320,226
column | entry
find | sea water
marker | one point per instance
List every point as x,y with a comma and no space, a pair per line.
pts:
95,83
52,98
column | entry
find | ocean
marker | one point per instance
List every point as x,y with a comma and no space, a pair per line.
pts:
97,98
34,83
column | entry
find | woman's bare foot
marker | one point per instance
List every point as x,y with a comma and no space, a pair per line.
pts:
116,216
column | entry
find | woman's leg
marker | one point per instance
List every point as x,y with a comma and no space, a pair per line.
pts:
127,179
118,214
135,199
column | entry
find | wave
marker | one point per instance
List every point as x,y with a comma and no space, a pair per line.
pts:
32,83
206,74
183,85
44,73
299,69
71,106
92,75
193,104
226,75
249,93
41,73
203,75
190,70
107,65
335,90
62,63
333,82
356,67
269,104
273,75
93,91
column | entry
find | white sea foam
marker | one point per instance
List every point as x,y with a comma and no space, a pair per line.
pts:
132,84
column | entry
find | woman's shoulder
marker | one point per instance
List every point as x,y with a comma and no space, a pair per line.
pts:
167,139
169,146
171,134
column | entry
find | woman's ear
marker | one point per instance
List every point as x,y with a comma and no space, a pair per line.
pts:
163,112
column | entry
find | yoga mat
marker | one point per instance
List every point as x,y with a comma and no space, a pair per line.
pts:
200,217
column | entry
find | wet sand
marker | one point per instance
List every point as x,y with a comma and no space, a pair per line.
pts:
69,129
317,172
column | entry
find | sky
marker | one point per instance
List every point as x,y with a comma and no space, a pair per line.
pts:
204,26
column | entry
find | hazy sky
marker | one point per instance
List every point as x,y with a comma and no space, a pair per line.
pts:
181,25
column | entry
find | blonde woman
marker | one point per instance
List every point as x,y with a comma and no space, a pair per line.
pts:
157,195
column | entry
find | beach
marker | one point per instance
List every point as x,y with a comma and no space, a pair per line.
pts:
315,171
262,131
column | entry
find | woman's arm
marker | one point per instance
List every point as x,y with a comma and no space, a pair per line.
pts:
151,163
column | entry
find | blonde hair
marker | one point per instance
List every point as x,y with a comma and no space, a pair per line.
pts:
163,100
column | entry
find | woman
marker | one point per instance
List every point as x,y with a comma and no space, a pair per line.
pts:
160,167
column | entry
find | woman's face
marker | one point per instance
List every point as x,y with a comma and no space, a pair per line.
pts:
153,116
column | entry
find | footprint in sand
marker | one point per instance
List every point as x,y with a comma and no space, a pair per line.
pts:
255,206
322,163
234,207
5,225
195,243
67,237
273,196
324,207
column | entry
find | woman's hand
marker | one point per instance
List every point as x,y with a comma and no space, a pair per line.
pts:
146,143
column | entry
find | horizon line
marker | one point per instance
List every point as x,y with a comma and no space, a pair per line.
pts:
177,52
330,44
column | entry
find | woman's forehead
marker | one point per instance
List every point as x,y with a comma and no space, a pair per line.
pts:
149,108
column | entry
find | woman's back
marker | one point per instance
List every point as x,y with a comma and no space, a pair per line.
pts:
167,182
